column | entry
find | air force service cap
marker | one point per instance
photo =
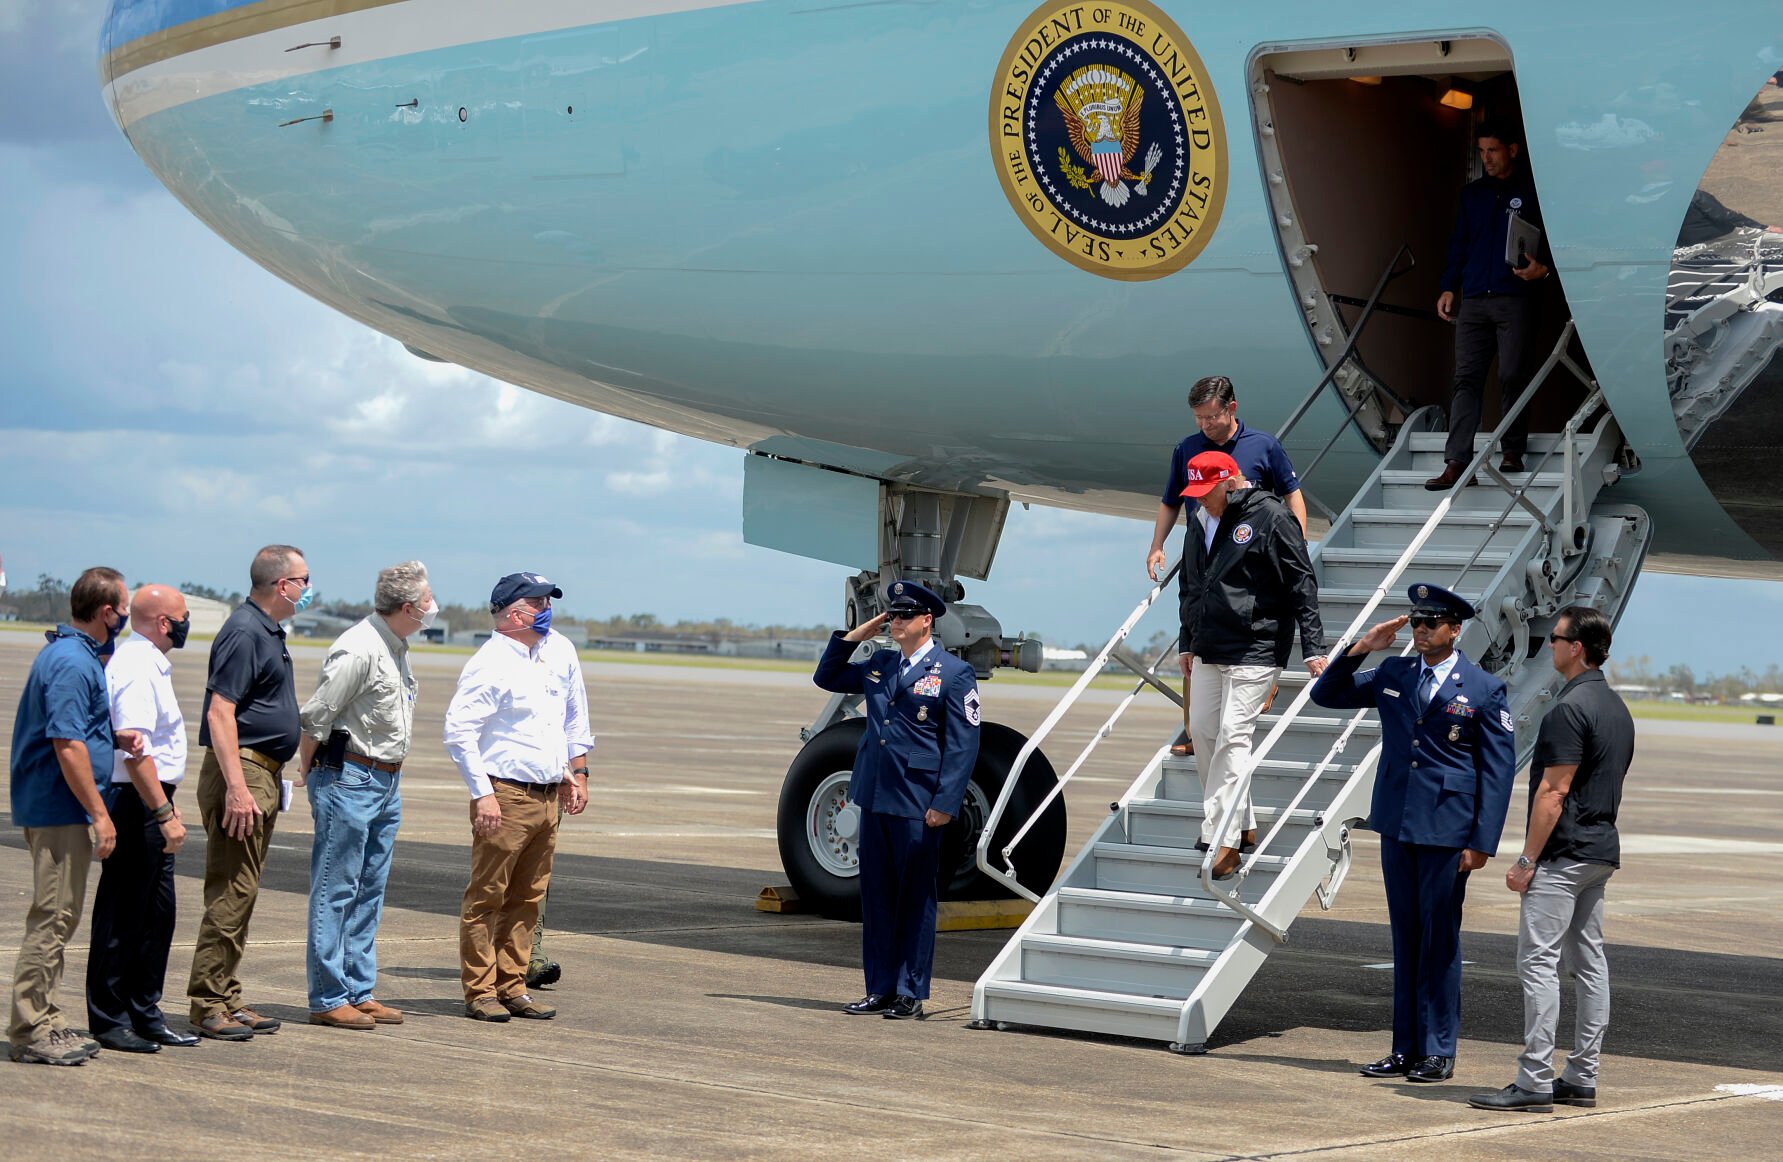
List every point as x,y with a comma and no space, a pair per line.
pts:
1434,601
516,586
1207,470
909,597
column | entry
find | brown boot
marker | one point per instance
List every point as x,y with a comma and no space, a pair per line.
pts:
343,1017
1248,841
379,1013
1225,862
1445,480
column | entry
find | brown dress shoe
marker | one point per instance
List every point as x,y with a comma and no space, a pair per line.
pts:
1445,480
223,1027
525,1006
1225,862
1248,841
381,1014
343,1017
1511,463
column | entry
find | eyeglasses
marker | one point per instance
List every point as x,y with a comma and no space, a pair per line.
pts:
905,615
1429,622
1560,637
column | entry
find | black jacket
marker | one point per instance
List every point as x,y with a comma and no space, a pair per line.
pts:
1242,599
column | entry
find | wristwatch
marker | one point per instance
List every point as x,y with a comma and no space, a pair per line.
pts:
1524,863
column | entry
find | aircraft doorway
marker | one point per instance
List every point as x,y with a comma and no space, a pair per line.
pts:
1364,149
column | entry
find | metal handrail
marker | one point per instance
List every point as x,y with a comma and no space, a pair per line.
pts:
1380,286
1405,559
1114,647
1114,650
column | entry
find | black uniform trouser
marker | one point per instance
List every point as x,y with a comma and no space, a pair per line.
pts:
133,915
1501,325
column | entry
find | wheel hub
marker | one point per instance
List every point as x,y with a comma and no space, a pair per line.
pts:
832,826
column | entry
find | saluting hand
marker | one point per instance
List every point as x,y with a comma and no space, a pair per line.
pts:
1380,637
866,629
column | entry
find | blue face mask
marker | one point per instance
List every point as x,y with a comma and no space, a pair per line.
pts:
303,601
115,626
541,621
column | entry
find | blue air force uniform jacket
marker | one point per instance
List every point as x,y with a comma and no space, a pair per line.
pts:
1446,769
922,732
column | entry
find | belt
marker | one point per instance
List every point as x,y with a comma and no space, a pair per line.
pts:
263,760
529,788
374,764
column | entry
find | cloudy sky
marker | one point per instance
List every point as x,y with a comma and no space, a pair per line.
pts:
166,406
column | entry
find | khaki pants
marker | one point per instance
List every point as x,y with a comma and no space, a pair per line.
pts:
60,857
509,873
231,885
1224,702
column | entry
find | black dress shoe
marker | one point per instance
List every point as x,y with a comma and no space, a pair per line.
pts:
162,1035
905,1009
1431,1069
1511,463
1568,1094
126,1041
1514,1097
1392,1065
1445,480
869,1004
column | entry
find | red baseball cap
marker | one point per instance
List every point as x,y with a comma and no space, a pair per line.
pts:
1207,470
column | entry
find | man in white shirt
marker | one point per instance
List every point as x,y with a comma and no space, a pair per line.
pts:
133,910
517,719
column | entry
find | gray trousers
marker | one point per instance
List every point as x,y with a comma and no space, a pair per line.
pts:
1563,910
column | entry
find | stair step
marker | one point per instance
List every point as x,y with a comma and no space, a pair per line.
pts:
1539,442
1146,917
1274,783
1403,488
1460,529
1177,823
1023,1002
1349,567
1111,966
1143,867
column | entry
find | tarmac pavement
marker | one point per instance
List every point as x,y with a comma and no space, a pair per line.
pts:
692,1026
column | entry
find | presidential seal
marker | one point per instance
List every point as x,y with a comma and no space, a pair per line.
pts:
1107,138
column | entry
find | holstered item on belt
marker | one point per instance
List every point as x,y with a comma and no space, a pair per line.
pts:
334,750
262,760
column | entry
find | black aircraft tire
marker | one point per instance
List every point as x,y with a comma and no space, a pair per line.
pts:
1037,859
820,886
827,885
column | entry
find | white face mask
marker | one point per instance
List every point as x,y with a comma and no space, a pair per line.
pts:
428,615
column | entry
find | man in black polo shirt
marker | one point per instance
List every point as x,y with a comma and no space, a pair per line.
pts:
250,731
1569,853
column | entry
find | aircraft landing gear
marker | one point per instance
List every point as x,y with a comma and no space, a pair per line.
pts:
819,828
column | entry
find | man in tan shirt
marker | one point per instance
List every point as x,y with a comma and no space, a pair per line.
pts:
356,730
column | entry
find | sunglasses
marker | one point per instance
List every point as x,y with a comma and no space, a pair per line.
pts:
906,615
1560,637
1431,622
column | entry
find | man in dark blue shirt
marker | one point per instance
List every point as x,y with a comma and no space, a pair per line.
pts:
61,738
249,732
1498,301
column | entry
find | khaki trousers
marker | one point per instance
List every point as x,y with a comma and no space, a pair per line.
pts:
231,885
60,857
1224,702
509,873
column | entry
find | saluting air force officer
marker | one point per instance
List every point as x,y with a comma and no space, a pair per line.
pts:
910,774
1448,755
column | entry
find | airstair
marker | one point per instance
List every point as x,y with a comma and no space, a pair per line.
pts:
1136,938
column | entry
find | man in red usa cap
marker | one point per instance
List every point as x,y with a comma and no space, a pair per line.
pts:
1248,584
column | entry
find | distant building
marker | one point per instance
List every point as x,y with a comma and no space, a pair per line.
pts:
207,615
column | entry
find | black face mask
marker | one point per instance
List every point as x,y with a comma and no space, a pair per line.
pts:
177,631
115,627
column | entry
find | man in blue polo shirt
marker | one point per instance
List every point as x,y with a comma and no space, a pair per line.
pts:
1261,460
61,736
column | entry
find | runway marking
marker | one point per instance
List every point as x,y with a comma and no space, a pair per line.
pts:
1767,1092
1696,845
676,789
1704,791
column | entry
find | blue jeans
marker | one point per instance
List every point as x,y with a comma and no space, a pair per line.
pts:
357,810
